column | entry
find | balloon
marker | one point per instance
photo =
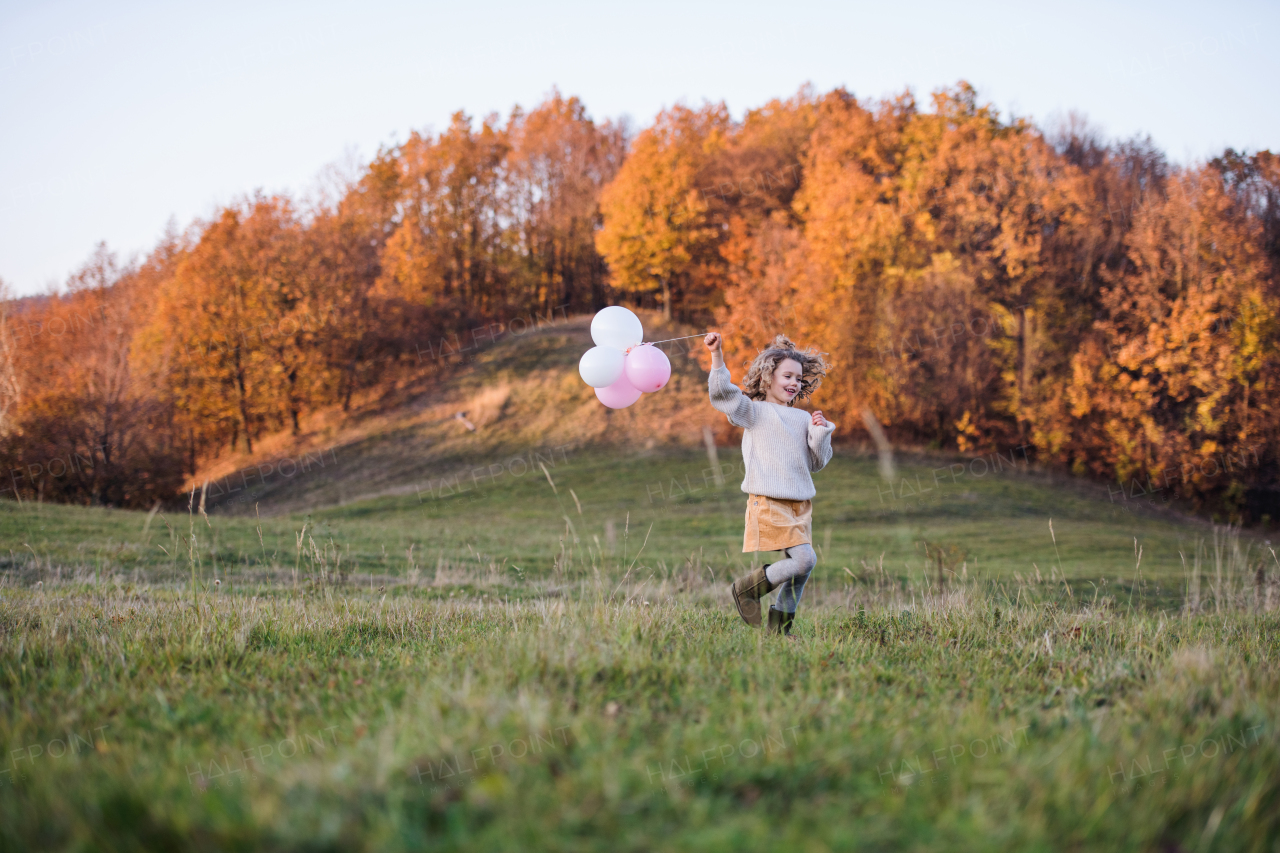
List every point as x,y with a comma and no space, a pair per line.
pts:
616,327
648,368
600,367
620,394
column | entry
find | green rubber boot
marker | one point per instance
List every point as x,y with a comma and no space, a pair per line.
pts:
780,622
747,593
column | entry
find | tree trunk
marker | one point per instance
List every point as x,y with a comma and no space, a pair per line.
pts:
1026,341
666,300
293,399
350,372
244,405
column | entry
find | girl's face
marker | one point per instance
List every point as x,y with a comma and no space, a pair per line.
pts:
785,384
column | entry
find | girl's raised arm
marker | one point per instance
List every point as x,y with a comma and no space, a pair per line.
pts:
725,396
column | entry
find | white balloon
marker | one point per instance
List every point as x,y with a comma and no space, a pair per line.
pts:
617,328
601,366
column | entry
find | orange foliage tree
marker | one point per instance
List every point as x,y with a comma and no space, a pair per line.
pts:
657,236
88,426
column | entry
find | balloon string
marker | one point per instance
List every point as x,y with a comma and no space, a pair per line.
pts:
669,340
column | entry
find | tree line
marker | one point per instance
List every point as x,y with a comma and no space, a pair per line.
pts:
979,284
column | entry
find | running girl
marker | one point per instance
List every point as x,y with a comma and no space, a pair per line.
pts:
781,447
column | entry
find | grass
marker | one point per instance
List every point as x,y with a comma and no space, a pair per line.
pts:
601,505
495,671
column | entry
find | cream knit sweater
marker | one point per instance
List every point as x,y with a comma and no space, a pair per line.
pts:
781,445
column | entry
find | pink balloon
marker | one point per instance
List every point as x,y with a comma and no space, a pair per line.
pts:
647,367
620,394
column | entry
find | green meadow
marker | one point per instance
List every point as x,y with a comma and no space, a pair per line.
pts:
524,514
543,656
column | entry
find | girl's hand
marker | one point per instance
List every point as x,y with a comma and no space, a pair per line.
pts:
712,342
819,420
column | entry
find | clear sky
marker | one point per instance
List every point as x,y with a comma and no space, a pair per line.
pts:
116,120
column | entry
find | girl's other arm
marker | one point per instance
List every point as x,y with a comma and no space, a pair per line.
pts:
820,442
725,396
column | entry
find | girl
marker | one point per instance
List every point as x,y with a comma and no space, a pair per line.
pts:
781,447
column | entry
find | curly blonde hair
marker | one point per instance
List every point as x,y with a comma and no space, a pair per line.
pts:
760,373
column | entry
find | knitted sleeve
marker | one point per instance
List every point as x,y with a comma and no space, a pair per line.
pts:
820,446
728,398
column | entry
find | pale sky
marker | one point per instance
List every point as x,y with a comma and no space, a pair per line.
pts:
116,120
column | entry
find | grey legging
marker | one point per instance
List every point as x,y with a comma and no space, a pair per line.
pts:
790,573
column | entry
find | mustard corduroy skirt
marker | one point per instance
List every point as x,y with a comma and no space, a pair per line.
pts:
777,523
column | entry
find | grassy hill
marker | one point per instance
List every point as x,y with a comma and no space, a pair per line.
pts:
477,407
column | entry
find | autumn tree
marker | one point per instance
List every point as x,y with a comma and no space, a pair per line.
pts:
345,244
1178,386
90,428
449,250
656,234
227,324
10,380
558,164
